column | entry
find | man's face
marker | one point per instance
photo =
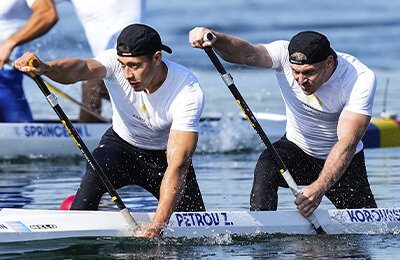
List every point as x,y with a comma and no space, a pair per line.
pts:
310,77
139,71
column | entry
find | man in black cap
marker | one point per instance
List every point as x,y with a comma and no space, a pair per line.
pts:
328,97
156,110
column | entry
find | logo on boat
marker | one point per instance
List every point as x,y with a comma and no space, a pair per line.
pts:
43,226
18,226
203,219
2,226
374,215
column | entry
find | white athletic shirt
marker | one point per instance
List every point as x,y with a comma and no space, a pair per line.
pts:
103,20
145,120
312,120
13,15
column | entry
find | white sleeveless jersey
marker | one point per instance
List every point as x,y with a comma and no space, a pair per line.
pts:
312,120
145,120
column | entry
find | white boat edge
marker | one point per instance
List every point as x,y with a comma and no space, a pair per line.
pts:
17,225
43,139
51,138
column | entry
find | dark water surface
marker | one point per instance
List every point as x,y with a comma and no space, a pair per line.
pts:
237,247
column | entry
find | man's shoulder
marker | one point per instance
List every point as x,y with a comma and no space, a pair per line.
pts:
182,82
174,66
277,45
349,59
107,56
109,52
350,65
278,52
179,72
108,59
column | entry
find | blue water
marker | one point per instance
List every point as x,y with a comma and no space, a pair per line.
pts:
370,30
367,29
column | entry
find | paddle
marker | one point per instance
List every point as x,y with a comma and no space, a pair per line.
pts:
65,95
227,78
84,107
52,99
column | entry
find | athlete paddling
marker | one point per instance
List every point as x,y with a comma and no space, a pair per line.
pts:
328,97
156,110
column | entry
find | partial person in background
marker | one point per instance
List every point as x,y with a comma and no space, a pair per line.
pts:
328,97
21,21
102,21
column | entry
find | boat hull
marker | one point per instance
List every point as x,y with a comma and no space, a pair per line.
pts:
18,225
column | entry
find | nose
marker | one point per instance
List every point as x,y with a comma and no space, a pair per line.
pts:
301,79
128,73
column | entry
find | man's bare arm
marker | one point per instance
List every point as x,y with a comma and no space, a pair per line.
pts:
351,128
232,49
65,71
181,146
43,18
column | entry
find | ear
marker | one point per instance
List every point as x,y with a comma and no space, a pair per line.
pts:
330,61
157,57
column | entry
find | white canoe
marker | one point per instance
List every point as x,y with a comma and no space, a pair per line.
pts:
51,138
26,224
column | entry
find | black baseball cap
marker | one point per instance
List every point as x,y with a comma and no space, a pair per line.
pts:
139,39
309,47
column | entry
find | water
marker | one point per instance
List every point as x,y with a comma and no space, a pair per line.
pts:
258,247
370,30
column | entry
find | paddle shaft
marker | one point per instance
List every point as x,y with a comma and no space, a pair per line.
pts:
227,78
52,99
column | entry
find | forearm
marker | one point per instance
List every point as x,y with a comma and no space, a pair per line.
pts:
41,21
180,149
69,71
235,50
336,164
351,128
65,71
172,187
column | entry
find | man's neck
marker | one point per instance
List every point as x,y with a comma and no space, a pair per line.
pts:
158,79
335,64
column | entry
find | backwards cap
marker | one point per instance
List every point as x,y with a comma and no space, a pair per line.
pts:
139,39
309,47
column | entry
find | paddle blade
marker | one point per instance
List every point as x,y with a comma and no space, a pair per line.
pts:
66,204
